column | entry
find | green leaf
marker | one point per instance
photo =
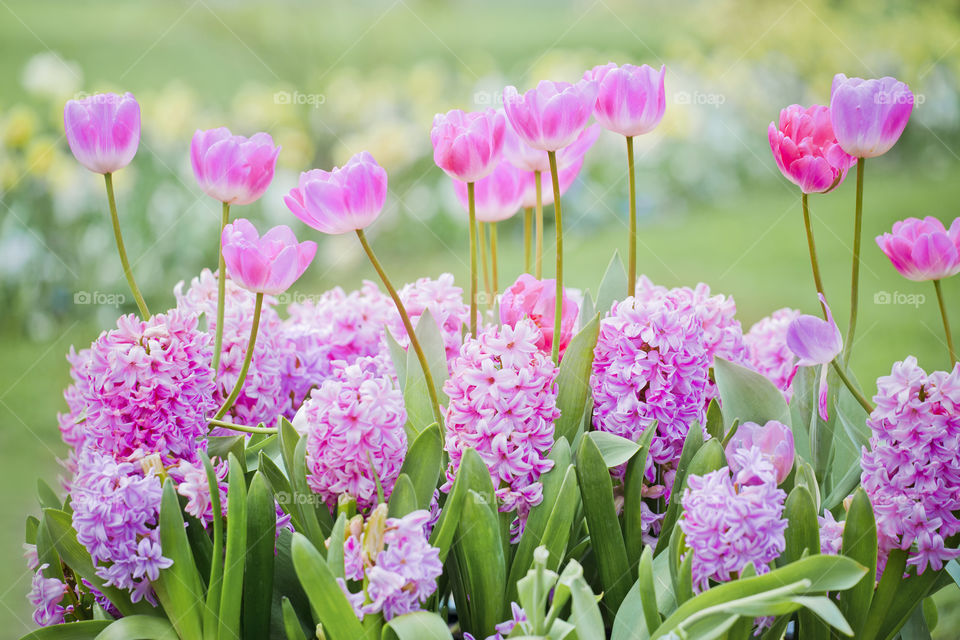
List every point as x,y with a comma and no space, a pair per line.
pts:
403,500
399,357
556,535
335,550
141,628
30,532
748,396
327,599
312,512
826,611
613,285
587,308
424,464
802,538
633,496
280,487
268,446
916,627
708,457
416,399
231,594
419,625
47,552
691,445
258,578
48,497
860,544
222,446
178,587
714,420
211,609
471,471
584,612
648,595
615,450
84,630
573,380
606,539
805,477
481,566
843,487
291,624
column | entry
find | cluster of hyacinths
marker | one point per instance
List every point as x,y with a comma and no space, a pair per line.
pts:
417,462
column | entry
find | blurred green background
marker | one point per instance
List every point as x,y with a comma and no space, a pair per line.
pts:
328,80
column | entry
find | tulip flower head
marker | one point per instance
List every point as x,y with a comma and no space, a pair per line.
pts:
815,342
552,115
468,145
923,249
268,264
344,199
103,130
498,196
233,169
536,300
774,440
630,99
868,116
526,158
806,151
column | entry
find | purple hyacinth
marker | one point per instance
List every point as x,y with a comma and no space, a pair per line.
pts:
45,596
767,352
831,533
911,472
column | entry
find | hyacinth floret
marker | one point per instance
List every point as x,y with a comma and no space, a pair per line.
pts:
767,352
445,302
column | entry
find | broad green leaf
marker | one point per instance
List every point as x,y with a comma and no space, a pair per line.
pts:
802,538
916,627
584,612
805,477
48,497
335,550
258,578
860,544
953,568
424,464
843,487
633,496
141,628
327,599
684,586
280,487
403,500
803,406
231,595
291,624
84,630
222,446
471,471
615,450
268,446
708,457
648,595
556,535
691,445
826,611
573,380
885,594
416,399
613,285
47,552
419,625
286,582
630,623
399,357
211,610
748,396
30,526
481,567
314,514
587,308
178,587
714,420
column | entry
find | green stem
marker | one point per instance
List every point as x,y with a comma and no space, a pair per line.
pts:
141,304
558,308
247,357
539,255
855,277
632,260
817,281
946,323
484,261
527,229
472,233
853,390
493,260
241,427
414,341
221,290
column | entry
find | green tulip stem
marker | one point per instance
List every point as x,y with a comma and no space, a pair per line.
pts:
855,276
946,322
118,235
632,260
247,358
527,230
558,221
221,289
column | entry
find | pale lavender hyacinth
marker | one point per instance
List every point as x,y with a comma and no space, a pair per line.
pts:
767,352
444,299
911,472
831,533
45,596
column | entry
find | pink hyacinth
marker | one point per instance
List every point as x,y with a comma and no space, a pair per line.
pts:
774,440
445,302
45,596
193,484
552,115
815,342
630,100
536,300
868,116
730,522
923,249
145,387
650,365
831,533
103,130
566,177
805,149
262,397
527,159
344,199
268,264
503,404
233,169
354,426
911,472
496,197
468,145
767,352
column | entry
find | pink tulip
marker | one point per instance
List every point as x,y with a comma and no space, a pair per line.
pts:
630,99
468,145
775,441
103,130
347,198
497,196
552,115
266,265
806,151
233,169
923,249
567,176
526,158
536,299
869,115
815,342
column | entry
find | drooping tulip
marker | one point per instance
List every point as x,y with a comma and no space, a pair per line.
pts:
630,100
806,150
923,249
534,299
267,264
468,145
344,199
815,342
552,115
498,196
868,116
233,169
103,130
775,441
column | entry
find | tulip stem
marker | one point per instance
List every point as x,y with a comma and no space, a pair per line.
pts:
472,232
539,257
493,260
484,261
632,260
818,283
527,229
946,322
558,221
405,317
241,427
141,304
221,289
855,277
247,358
859,397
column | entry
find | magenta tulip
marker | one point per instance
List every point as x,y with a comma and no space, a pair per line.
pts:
815,342
552,115
806,151
233,169
923,249
869,115
268,264
497,196
347,198
567,177
536,300
468,145
103,130
774,440
630,99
